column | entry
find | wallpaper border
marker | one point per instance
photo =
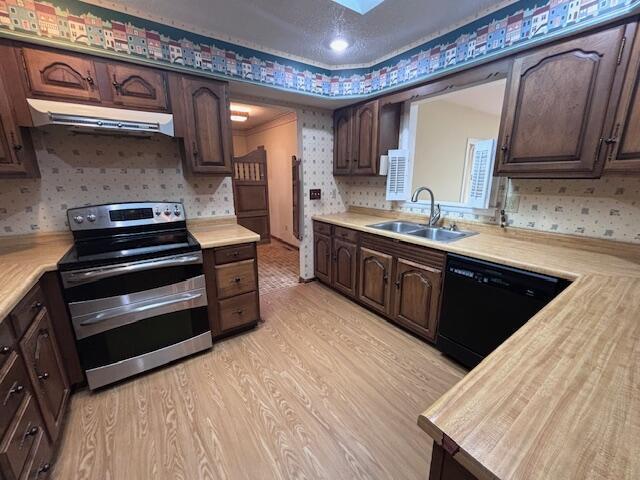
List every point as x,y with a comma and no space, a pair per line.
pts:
79,26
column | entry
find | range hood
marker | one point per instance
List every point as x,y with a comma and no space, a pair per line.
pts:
97,119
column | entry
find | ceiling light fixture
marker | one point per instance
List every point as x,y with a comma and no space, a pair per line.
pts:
339,45
237,116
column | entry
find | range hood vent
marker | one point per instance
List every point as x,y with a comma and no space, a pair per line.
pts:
80,117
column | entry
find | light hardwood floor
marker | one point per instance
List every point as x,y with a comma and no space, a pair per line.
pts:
323,389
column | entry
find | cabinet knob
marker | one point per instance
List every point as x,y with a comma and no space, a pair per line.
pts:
237,279
44,376
236,253
90,79
31,431
239,312
4,350
44,468
16,390
398,284
36,305
196,154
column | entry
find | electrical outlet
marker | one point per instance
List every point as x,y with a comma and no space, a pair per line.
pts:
513,203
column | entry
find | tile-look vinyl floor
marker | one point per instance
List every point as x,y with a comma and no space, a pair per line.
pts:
278,266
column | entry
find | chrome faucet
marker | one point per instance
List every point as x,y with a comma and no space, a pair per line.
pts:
435,209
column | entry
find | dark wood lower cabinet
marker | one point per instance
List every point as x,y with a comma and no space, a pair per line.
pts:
345,266
322,257
445,467
375,280
417,297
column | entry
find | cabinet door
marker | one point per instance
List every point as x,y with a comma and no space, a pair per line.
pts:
46,371
374,286
342,151
57,75
556,106
322,257
624,154
365,139
208,135
17,156
344,266
138,87
417,297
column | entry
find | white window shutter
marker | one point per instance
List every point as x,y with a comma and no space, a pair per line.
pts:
399,176
481,174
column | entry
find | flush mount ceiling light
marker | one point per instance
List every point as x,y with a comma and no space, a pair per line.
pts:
359,6
339,45
237,116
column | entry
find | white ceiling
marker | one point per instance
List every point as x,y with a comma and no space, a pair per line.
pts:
258,115
304,28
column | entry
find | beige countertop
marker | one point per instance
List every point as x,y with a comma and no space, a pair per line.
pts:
23,259
560,399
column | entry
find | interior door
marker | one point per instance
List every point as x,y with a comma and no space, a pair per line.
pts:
556,106
374,282
417,297
251,192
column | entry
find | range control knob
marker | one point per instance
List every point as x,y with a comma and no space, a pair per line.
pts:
167,212
91,217
177,212
158,212
78,219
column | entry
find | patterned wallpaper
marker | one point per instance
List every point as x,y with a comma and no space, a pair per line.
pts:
607,208
77,25
91,169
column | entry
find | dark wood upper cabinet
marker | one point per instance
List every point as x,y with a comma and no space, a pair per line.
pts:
363,133
345,266
207,138
417,297
17,156
556,108
138,87
374,286
342,150
46,371
322,257
64,76
624,141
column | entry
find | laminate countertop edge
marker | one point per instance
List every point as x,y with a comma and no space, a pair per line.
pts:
531,409
24,259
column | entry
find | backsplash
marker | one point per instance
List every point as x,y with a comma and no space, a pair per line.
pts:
81,170
607,208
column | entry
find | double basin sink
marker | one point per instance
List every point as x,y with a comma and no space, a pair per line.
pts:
436,234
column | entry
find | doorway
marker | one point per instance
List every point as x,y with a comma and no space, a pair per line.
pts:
265,143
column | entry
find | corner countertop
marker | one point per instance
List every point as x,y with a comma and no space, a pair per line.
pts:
560,399
24,258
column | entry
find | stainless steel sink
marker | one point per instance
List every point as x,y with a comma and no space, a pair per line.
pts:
398,226
418,230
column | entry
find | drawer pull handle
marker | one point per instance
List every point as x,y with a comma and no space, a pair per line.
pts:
31,431
237,279
236,253
4,350
239,312
16,390
36,305
44,376
44,468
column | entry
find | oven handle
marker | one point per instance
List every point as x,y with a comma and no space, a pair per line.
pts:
104,316
78,278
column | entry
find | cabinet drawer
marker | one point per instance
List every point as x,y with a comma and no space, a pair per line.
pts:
7,342
234,253
323,228
14,385
26,311
346,234
238,311
20,439
236,278
39,463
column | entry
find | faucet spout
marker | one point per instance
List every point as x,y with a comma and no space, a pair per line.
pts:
434,216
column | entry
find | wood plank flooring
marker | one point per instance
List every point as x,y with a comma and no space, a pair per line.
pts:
322,390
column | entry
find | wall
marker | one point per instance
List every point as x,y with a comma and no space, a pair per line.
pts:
607,208
239,144
280,139
90,169
442,131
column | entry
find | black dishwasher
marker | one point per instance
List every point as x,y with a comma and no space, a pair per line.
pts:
484,304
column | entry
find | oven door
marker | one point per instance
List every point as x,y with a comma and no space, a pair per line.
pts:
127,278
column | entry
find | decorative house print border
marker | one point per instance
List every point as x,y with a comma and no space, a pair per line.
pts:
74,24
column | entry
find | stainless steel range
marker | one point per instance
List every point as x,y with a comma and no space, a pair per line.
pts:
135,288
